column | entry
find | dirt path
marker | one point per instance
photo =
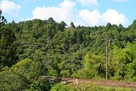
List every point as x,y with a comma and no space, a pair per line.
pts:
107,83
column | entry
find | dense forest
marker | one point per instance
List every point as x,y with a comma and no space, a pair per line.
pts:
35,48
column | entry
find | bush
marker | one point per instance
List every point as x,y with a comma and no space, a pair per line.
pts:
62,87
40,85
10,81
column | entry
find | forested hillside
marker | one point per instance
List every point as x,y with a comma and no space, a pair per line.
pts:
34,48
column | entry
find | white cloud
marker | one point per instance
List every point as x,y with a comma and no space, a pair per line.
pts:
114,17
96,18
91,17
88,2
10,7
121,0
67,4
27,1
66,11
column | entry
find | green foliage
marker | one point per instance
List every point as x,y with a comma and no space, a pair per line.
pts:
29,69
86,87
65,73
23,67
72,25
52,72
7,47
34,48
93,66
10,81
2,19
40,85
61,87
122,63
63,51
24,75
131,65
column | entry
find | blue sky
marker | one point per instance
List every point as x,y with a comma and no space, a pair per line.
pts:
81,12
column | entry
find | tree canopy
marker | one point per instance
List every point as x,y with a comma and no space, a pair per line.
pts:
33,48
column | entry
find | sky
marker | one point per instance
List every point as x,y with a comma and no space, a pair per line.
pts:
81,12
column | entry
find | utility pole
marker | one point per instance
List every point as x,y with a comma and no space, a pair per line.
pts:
107,40
106,58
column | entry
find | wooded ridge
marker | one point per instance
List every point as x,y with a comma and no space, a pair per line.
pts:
29,49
